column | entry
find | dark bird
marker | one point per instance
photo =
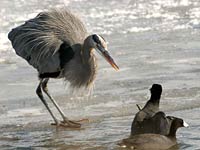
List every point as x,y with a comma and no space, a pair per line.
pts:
150,141
157,124
57,44
144,116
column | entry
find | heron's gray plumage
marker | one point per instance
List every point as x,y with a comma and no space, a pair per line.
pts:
81,71
56,43
38,41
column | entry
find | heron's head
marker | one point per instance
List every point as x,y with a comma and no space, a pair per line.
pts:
99,43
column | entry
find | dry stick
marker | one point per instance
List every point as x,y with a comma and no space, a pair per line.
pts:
138,106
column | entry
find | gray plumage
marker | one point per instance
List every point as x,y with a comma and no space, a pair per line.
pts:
39,39
57,44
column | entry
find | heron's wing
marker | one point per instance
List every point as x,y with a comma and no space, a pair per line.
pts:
40,39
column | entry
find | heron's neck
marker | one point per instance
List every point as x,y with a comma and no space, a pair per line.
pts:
86,53
89,65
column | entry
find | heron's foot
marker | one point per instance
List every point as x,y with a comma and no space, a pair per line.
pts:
73,124
69,123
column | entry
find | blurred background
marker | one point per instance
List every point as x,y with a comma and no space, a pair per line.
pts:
152,42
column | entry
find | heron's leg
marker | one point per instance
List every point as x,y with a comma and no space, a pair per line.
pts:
66,121
45,89
40,95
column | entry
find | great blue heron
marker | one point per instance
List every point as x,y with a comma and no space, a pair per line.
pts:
56,43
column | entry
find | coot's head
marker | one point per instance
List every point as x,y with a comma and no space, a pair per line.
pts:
176,123
156,89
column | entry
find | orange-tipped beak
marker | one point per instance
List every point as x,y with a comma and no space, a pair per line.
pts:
102,51
110,60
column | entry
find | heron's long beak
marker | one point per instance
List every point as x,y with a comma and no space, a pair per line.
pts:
107,56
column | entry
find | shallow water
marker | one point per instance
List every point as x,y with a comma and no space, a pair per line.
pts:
152,41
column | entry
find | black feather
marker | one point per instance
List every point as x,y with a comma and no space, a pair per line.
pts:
49,75
96,39
66,54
